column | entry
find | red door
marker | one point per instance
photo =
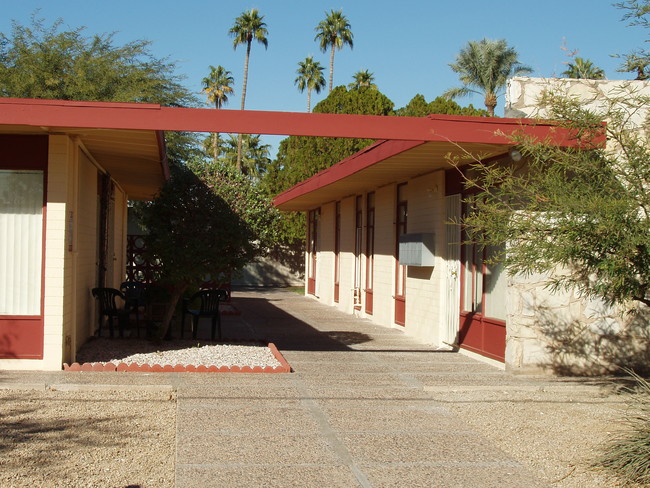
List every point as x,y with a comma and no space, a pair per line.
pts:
312,250
337,251
483,310
400,270
370,249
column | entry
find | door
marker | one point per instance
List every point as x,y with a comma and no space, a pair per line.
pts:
312,250
483,299
370,249
337,251
400,270
453,263
358,237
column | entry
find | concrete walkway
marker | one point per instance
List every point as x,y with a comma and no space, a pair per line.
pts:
362,409
357,411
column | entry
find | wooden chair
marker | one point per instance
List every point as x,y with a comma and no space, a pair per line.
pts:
108,308
208,301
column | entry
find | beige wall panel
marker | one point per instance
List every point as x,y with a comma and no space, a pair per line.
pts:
325,257
384,282
85,252
346,288
424,301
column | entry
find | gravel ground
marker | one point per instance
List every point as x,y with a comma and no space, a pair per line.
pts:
556,434
57,439
129,351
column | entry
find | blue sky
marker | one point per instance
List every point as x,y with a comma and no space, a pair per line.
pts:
408,44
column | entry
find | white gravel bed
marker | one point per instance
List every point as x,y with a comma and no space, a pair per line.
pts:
184,353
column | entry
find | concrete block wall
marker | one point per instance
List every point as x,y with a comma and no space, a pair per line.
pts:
562,332
424,285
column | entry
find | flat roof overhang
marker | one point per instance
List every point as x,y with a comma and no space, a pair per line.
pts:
126,138
382,163
134,159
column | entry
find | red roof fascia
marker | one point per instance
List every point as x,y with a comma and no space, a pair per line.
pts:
133,116
353,164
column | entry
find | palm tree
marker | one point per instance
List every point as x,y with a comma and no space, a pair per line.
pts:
217,87
248,27
310,77
583,69
255,155
362,79
483,68
334,33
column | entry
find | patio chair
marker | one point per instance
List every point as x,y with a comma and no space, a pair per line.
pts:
208,301
108,308
135,302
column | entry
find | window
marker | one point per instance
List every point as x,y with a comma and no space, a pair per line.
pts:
484,281
21,241
358,237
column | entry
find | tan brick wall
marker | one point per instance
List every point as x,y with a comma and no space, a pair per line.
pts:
425,285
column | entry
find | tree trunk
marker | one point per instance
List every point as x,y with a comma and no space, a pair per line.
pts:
308,100
332,67
490,102
243,101
176,295
215,137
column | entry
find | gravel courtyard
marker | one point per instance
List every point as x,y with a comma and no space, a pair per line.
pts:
365,406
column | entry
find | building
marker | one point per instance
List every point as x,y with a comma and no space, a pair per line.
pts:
63,208
380,244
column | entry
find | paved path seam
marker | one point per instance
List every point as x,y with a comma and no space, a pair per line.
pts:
326,429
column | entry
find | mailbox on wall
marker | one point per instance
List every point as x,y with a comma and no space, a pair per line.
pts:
416,249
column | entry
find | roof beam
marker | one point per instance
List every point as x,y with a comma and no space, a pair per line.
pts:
102,115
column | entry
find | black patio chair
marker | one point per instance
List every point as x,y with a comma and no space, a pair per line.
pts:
135,301
208,301
108,308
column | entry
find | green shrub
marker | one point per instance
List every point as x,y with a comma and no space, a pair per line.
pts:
628,454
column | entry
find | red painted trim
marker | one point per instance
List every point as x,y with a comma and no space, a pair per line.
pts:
357,162
133,116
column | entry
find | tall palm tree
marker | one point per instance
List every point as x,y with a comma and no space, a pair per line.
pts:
333,33
362,79
217,87
310,77
248,27
483,68
255,155
583,69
